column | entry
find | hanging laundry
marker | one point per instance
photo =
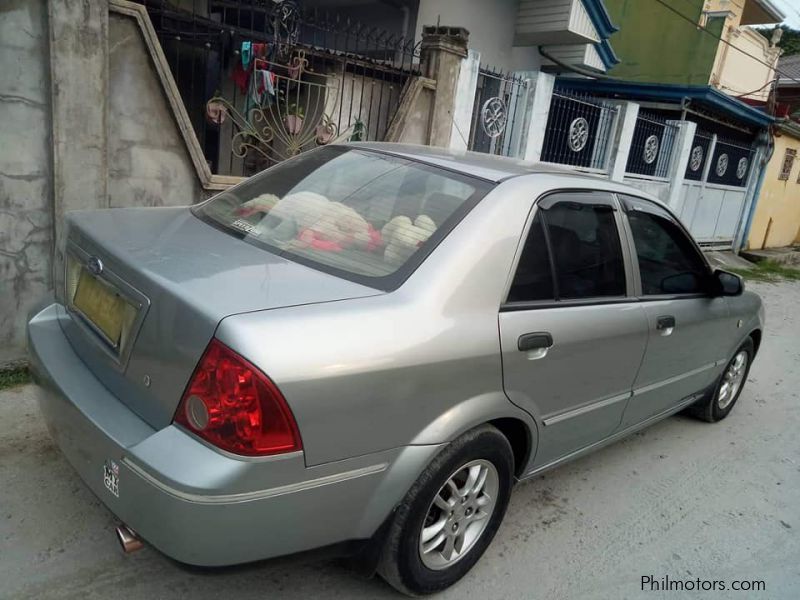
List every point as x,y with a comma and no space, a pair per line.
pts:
241,77
246,55
260,50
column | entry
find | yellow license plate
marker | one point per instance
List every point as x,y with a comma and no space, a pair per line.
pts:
100,305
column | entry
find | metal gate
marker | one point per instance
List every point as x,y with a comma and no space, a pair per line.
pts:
715,187
498,113
263,81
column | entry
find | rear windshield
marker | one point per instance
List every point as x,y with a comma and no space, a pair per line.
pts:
362,215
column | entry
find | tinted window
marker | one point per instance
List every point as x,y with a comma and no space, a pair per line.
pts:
668,260
586,250
534,278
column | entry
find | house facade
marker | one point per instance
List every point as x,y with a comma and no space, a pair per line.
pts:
776,220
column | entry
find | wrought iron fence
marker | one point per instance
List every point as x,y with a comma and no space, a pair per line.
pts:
652,145
498,113
698,156
263,80
731,163
579,130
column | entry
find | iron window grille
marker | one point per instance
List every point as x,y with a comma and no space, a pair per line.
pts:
788,163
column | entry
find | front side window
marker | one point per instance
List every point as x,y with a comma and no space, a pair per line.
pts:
362,215
669,263
572,252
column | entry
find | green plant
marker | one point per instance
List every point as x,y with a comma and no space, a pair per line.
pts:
14,377
295,110
768,270
358,131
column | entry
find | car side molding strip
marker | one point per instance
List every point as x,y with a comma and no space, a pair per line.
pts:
582,410
258,494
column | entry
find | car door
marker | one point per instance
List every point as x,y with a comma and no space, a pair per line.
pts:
572,338
689,328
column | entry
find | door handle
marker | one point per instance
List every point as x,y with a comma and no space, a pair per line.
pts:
535,344
665,324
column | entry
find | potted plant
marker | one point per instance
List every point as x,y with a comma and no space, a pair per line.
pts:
294,118
326,130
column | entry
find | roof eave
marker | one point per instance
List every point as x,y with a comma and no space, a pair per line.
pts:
600,18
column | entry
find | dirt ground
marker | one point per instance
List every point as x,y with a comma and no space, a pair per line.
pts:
683,499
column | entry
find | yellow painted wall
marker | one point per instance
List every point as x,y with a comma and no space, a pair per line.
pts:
735,72
779,201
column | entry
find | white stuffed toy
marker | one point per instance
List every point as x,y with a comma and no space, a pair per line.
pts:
311,215
402,237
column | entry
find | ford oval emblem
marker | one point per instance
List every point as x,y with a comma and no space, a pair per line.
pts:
94,265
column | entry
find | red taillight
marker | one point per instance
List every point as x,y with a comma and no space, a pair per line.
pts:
234,406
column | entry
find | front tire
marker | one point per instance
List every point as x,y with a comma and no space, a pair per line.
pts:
450,515
719,403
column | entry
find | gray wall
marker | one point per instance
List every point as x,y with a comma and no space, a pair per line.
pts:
148,164
104,137
491,27
25,168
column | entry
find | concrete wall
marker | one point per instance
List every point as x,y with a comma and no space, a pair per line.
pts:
25,168
85,122
491,26
148,163
776,222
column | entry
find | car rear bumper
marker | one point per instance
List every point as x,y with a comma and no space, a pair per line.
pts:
192,502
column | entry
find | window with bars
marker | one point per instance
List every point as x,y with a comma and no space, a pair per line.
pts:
788,163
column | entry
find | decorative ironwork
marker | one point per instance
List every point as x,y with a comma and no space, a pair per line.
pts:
733,159
722,165
650,149
294,116
494,116
578,134
579,130
497,109
333,77
652,145
696,159
741,168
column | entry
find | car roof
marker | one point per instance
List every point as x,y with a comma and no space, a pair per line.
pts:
476,164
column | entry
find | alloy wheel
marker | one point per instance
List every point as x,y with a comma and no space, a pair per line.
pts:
459,514
732,380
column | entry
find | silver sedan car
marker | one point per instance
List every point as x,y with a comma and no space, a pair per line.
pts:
367,346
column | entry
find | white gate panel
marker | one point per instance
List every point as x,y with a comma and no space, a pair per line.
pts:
732,203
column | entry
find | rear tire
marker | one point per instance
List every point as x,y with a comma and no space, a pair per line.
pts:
450,515
718,404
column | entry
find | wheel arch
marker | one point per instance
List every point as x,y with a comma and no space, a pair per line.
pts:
756,336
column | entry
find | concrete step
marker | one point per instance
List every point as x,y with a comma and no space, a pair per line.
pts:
789,256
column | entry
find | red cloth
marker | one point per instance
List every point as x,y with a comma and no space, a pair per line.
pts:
241,77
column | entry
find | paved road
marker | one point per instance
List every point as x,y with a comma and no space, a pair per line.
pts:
683,499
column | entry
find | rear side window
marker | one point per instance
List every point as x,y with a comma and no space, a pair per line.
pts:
534,277
361,215
572,252
669,263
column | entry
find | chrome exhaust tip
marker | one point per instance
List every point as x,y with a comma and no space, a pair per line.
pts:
128,539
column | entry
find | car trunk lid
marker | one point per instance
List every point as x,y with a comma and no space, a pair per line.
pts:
184,276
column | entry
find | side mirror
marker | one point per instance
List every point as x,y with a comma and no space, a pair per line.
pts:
728,284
